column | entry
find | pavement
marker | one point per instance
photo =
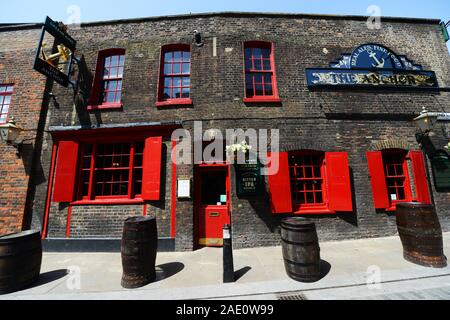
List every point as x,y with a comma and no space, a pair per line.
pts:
358,269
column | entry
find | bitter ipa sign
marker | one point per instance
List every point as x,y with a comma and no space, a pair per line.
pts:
372,66
248,179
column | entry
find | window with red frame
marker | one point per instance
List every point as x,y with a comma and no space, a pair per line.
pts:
107,91
397,175
111,170
175,75
260,79
6,92
397,178
307,180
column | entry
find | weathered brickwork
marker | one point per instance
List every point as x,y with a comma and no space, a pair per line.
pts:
18,176
328,120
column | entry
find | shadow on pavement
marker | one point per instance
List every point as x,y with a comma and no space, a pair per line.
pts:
167,270
325,268
241,272
48,277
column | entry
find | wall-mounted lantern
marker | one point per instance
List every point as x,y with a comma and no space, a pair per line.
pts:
426,121
10,134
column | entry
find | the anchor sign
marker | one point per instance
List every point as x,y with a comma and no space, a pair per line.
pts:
379,64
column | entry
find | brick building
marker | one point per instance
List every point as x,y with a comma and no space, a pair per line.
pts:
342,96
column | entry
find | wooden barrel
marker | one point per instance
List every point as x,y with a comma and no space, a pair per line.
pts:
139,247
20,260
421,234
301,251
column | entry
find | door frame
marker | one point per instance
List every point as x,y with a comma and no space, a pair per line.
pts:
198,169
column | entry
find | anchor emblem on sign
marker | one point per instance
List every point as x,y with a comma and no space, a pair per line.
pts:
379,64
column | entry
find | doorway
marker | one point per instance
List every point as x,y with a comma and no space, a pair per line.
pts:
212,203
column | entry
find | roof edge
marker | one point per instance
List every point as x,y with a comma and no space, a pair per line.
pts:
12,26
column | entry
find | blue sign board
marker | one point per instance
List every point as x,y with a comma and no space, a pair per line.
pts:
372,65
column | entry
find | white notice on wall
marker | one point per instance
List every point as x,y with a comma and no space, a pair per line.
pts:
184,188
393,197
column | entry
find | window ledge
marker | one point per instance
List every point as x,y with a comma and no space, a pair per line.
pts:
107,202
315,211
105,106
174,102
266,99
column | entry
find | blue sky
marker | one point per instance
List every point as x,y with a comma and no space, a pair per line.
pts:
94,10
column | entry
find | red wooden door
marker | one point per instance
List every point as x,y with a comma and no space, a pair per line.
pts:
212,194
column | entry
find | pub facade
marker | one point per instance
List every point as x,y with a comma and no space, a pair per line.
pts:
334,99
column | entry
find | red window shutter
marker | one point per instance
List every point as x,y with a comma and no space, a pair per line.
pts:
378,180
66,171
338,178
279,183
420,177
151,175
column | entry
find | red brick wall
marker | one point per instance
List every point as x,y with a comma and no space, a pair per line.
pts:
16,61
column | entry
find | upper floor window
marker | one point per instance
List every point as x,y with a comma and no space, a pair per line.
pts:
175,75
6,92
260,77
397,176
107,90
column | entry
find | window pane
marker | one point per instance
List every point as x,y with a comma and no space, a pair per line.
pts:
107,61
120,72
2,118
186,56
177,68
119,85
177,82
5,108
267,79
177,56
268,90
167,68
258,78
122,60
248,65
259,90
186,68
113,72
176,93
10,89
186,81
119,96
265,53
185,93
110,97
168,57
112,86
114,61
266,65
167,82
257,64
3,88
256,53
166,93
247,53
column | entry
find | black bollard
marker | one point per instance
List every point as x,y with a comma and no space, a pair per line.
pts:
228,266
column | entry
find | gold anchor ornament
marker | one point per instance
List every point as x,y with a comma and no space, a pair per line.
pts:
63,53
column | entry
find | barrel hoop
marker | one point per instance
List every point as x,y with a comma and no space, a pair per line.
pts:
302,244
300,264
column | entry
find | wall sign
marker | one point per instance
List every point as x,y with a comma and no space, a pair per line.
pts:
248,178
373,66
184,188
55,61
